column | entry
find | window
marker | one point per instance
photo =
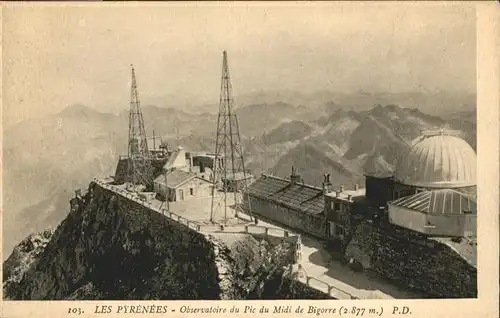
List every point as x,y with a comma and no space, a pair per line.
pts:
191,191
336,206
340,232
332,230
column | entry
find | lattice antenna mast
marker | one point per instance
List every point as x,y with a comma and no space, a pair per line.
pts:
229,165
139,167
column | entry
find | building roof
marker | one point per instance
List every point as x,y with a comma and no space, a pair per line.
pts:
361,192
177,159
176,178
237,176
202,154
438,160
381,175
438,202
298,196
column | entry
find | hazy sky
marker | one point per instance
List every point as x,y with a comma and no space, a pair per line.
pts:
57,56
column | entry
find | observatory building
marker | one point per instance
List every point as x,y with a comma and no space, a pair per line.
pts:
435,187
435,160
438,160
431,192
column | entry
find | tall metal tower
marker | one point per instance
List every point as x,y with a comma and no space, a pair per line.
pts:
139,159
230,177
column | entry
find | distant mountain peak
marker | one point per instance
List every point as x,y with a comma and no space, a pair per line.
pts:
150,107
393,108
378,109
265,106
78,110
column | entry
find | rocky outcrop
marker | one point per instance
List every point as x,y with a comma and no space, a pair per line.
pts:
22,258
112,248
246,264
435,267
283,285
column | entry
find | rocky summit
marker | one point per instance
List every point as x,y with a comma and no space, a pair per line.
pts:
109,247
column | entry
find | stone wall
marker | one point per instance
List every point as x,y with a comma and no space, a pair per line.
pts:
407,259
126,251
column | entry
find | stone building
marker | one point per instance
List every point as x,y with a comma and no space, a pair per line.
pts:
434,188
204,160
440,212
432,192
288,202
426,237
179,185
435,160
342,208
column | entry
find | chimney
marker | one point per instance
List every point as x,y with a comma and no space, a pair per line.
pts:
341,188
337,194
356,187
326,184
191,159
349,198
294,178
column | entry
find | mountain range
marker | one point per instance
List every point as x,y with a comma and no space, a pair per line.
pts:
45,159
438,103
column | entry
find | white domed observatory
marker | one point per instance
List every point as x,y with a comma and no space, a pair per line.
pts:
435,186
438,160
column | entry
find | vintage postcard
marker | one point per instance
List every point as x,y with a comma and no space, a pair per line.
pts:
271,158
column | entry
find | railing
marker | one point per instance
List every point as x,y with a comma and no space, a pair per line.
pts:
140,200
252,229
324,286
256,229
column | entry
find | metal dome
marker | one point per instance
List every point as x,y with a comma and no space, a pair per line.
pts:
438,160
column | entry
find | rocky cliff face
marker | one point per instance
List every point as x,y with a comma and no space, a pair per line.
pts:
437,267
109,247
23,257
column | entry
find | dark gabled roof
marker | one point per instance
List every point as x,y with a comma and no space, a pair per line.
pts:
438,202
299,196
